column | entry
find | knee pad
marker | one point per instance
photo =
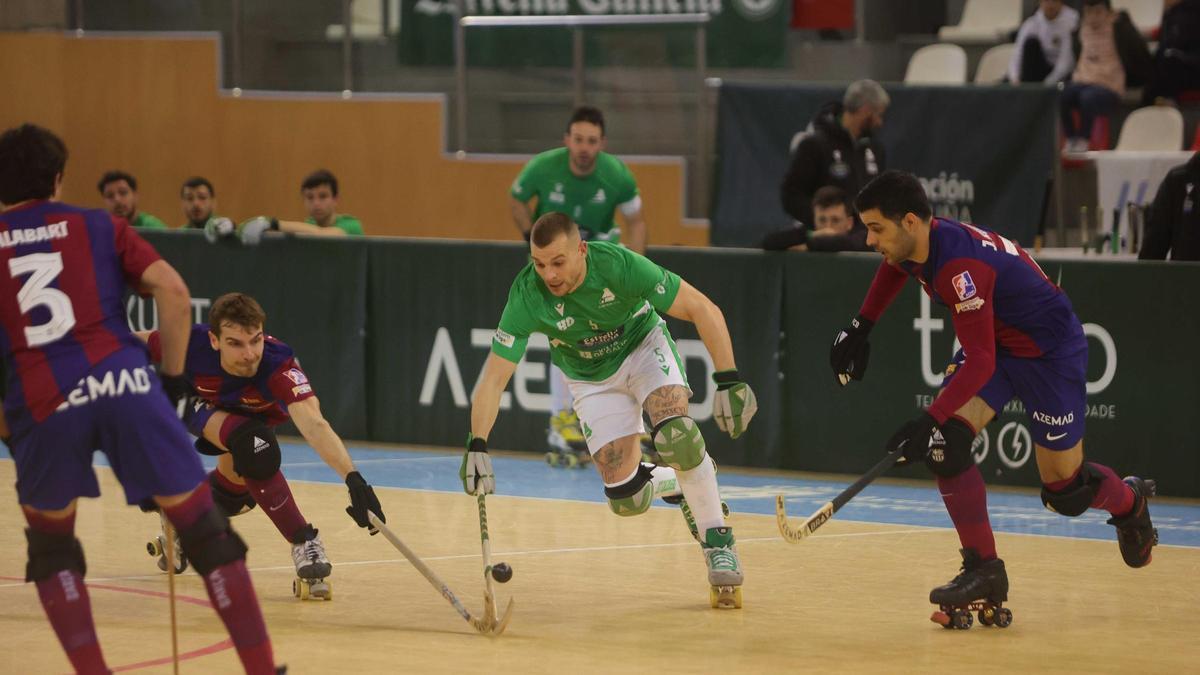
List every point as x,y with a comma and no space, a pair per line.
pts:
210,542
1077,497
50,554
255,450
230,503
679,443
634,496
950,449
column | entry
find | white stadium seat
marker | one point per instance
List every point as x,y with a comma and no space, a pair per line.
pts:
993,65
1155,127
984,21
937,64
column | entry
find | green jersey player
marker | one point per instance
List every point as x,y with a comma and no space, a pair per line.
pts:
599,303
590,186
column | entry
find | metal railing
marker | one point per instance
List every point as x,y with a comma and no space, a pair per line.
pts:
577,23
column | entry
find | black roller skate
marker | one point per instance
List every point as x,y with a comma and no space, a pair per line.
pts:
1135,532
981,587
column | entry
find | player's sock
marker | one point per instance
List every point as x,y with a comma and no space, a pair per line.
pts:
68,607
275,498
699,487
230,591
1112,495
966,501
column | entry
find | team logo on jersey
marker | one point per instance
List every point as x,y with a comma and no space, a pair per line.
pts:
504,338
660,289
296,376
559,307
557,196
968,306
964,285
607,298
565,323
599,196
301,390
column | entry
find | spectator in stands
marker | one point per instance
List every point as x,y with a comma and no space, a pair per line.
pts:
320,192
1174,222
1043,45
199,201
836,228
1110,55
837,149
1177,59
119,191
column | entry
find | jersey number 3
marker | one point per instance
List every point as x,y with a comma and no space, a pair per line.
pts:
43,269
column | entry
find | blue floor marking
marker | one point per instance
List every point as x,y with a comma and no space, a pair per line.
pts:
1178,524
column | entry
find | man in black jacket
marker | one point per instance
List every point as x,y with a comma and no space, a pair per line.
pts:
1177,59
837,149
1174,223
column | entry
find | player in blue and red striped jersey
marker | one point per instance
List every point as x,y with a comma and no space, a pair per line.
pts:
79,381
1020,338
247,383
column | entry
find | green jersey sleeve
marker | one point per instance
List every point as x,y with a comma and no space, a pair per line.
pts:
524,187
349,224
648,280
516,325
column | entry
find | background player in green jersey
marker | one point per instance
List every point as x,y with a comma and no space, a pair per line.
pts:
599,303
590,186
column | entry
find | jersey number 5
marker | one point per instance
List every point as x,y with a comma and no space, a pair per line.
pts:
43,269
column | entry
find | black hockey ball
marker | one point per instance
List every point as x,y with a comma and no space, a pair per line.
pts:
501,572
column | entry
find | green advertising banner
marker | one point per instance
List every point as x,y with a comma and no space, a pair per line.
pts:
1141,372
314,292
741,33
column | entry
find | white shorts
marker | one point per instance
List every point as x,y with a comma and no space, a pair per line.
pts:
612,408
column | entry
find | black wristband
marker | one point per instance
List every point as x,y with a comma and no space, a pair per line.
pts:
862,324
726,378
477,444
274,223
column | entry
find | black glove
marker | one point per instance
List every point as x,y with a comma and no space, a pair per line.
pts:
362,500
913,437
177,388
850,351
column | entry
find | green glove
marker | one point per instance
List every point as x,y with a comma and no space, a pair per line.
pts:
734,405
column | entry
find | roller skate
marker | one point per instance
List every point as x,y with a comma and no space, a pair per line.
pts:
157,547
687,513
724,570
568,448
311,566
1135,533
981,587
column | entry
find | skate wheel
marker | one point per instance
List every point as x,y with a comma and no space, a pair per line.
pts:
300,589
962,619
941,618
725,597
570,461
321,590
1003,617
154,547
987,616
552,458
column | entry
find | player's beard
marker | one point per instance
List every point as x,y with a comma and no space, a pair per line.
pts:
583,163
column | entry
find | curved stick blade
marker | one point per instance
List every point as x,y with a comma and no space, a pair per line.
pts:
503,623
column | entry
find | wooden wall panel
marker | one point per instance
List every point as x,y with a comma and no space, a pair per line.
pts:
152,107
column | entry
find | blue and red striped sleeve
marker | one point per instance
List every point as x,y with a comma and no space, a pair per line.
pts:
135,253
966,285
888,282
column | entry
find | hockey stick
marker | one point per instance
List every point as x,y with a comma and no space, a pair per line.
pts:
489,596
481,624
818,518
169,537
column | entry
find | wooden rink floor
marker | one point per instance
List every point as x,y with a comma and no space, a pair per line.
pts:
599,594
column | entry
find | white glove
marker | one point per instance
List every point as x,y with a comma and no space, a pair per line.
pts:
476,468
734,405
217,228
251,231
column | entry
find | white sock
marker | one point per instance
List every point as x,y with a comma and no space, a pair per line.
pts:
664,479
700,490
560,393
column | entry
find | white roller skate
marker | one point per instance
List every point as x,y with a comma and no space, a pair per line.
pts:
724,569
312,567
157,547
